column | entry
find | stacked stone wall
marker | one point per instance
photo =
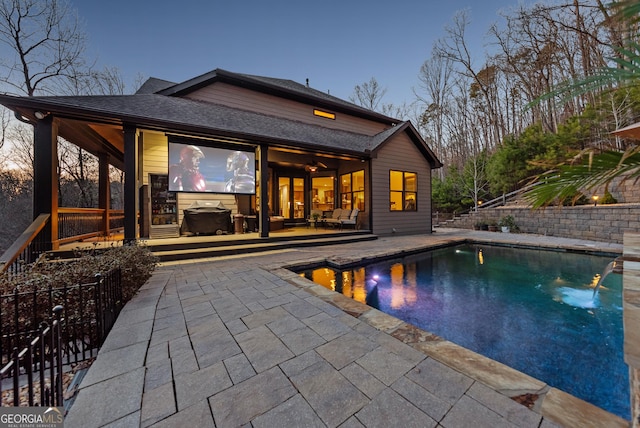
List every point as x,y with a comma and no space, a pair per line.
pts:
606,223
625,191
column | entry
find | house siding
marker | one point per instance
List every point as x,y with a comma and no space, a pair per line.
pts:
400,154
155,155
245,99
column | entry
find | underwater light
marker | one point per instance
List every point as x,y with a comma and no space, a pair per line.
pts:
373,280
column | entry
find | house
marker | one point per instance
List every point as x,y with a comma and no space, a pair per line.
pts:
271,149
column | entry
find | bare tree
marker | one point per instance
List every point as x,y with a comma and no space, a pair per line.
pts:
15,201
21,149
454,47
433,98
5,120
108,81
43,53
45,42
79,176
402,111
368,95
538,46
42,49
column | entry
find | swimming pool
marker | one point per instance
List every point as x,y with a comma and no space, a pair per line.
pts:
533,310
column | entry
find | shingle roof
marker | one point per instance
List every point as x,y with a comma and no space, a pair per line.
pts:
304,90
185,114
153,85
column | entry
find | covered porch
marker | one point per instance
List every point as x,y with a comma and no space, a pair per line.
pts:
295,182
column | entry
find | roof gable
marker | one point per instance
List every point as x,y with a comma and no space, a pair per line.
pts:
382,139
153,85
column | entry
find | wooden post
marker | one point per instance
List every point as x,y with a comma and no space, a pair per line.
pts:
131,202
104,191
45,177
264,192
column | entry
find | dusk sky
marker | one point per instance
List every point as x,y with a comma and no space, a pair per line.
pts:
336,44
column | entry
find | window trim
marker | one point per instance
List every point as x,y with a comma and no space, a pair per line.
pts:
404,191
351,192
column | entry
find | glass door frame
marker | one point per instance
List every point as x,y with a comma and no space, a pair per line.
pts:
291,176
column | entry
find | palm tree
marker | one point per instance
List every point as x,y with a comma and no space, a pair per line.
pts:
590,170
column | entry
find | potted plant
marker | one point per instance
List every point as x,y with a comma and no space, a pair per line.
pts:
315,216
507,224
493,226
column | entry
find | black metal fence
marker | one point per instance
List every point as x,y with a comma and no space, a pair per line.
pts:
42,354
89,310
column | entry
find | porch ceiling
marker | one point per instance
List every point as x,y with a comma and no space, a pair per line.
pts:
93,137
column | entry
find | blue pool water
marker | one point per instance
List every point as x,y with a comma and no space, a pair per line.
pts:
532,310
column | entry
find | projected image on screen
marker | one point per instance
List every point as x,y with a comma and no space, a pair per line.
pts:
207,169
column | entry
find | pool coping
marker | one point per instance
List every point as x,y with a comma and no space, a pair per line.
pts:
553,404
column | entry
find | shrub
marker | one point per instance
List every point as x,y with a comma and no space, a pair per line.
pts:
136,262
55,283
608,199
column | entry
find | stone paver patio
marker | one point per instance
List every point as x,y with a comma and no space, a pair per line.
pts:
241,341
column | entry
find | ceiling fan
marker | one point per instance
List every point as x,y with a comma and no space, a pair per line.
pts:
314,165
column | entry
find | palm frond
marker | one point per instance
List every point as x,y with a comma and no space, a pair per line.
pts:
626,9
570,181
625,71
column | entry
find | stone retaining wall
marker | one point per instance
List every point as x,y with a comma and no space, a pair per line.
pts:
625,191
606,223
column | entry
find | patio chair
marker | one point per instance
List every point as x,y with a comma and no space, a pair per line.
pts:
337,214
352,220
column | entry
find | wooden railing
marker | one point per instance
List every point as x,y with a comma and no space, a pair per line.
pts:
74,224
507,197
27,248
